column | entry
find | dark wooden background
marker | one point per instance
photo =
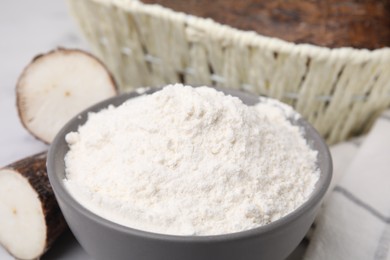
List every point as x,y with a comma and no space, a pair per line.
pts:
331,23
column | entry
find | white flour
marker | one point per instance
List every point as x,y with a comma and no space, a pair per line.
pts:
190,161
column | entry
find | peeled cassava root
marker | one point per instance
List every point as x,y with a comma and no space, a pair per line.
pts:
56,86
30,218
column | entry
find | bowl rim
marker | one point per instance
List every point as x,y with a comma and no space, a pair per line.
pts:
60,190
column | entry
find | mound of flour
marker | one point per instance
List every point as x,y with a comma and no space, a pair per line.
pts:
190,161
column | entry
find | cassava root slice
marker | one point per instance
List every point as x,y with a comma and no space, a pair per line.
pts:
30,218
56,86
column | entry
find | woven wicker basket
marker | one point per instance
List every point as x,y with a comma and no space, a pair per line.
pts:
340,91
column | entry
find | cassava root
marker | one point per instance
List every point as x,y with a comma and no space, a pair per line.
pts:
30,218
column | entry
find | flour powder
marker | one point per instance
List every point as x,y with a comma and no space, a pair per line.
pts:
190,161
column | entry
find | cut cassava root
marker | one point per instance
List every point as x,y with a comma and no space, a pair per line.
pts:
30,218
52,89
56,86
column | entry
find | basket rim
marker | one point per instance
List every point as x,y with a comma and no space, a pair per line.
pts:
231,35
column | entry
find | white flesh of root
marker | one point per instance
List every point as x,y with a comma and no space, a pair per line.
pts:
56,86
22,221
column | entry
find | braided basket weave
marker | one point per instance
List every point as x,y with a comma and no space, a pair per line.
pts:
340,91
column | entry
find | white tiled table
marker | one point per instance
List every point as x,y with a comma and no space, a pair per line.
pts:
26,29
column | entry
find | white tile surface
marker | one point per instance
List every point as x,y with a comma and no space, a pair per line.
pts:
26,29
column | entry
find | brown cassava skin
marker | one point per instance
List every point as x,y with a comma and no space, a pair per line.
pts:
33,168
62,51
330,23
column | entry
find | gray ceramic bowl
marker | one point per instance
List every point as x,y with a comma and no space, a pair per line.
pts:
103,239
